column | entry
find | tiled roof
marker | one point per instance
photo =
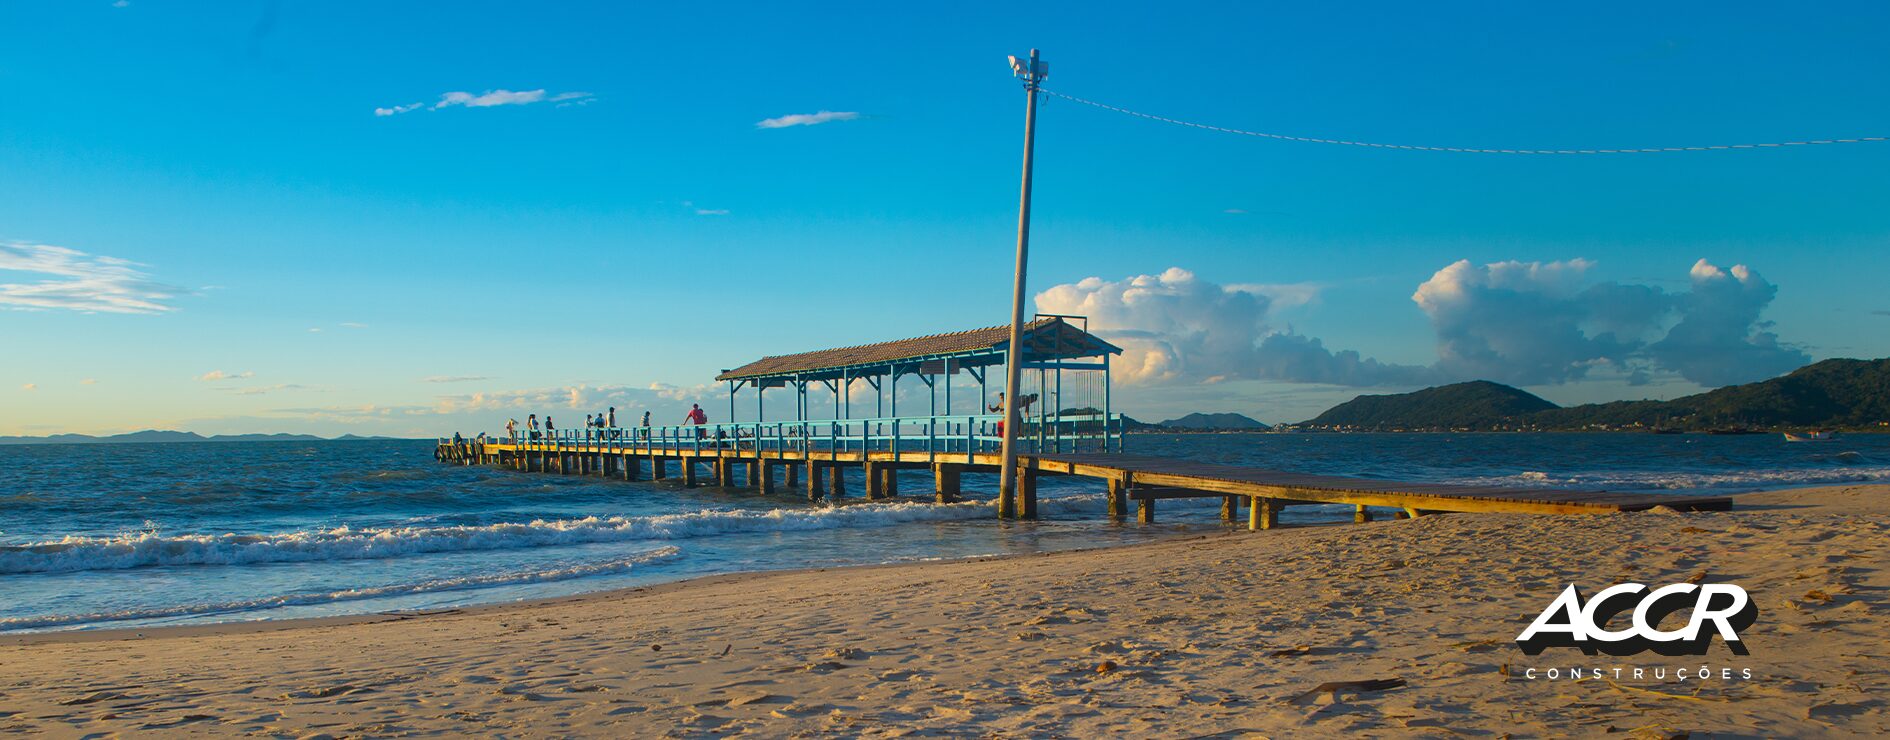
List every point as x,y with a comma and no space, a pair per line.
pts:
883,352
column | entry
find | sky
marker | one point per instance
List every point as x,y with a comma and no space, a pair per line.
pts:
375,218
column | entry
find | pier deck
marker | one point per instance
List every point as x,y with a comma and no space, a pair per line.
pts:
1144,479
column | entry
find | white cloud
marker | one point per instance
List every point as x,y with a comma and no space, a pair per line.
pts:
1523,323
398,109
452,378
491,98
216,375
712,211
807,119
1235,211
89,381
352,325
1536,323
77,281
29,387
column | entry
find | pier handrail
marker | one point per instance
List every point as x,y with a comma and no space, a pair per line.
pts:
938,435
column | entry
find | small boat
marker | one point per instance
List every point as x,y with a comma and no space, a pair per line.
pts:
1815,435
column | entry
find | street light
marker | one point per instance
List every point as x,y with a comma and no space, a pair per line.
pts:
1031,71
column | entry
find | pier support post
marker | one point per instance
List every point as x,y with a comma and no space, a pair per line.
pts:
1118,497
1230,508
630,465
791,477
1361,515
1145,510
889,488
836,481
756,467
813,481
766,483
946,481
689,472
724,473
1265,513
1027,488
659,468
873,479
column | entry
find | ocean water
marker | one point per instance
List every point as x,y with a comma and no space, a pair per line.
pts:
140,535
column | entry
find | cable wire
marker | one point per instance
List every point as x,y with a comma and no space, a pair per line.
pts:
1456,149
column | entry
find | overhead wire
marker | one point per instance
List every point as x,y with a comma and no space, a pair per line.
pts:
1454,149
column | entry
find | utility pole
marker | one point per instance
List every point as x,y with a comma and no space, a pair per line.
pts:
1032,72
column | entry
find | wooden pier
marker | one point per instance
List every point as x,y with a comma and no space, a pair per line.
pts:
1073,432
1142,479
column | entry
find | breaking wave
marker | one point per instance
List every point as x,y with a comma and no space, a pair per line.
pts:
354,594
1676,481
144,549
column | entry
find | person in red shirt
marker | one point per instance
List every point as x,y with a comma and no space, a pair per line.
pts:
696,417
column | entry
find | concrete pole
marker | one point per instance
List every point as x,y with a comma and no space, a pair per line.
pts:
1013,354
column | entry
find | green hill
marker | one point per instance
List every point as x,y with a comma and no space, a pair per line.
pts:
1476,404
1833,393
1199,420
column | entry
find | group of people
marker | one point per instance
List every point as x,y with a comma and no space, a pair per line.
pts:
598,426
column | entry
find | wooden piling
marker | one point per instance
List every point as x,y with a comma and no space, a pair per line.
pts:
1145,510
813,480
1230,508
836,482
1118,497
1362,514
873,479
889,488
766,483
1027,489
946,481
689,472
792,475
1265,513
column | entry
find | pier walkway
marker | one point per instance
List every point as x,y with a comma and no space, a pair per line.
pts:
818,465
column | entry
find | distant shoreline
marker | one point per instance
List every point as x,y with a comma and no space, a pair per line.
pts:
88,440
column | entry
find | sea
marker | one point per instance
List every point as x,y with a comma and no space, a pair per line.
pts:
143,535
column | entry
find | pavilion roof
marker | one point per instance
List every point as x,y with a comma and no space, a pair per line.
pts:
1044,339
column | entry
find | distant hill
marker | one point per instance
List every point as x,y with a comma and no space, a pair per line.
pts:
1837,393
1833,393
1215,421
153,435
1476,404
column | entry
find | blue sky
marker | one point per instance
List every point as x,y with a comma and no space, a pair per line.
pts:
333,270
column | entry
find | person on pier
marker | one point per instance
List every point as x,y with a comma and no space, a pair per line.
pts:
511,429
612,422
646,425
697,417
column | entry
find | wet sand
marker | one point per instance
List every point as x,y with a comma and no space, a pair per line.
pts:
1223,634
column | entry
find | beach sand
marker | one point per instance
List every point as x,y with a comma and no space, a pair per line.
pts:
1228,633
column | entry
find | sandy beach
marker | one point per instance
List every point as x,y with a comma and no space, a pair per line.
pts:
1222,635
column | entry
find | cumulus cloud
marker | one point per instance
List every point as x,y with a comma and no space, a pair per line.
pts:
807,119
452,378
216,375
73,280
1525,323
712,211
1720,339
1176,327
490,99
1536,323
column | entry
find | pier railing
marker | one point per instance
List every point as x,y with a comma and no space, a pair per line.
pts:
938,435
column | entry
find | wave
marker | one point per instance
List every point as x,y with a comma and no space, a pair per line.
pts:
144,549
354,594
1680,481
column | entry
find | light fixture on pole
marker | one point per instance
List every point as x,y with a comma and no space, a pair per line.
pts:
1031,71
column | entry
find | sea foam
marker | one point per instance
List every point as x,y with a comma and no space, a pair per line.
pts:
143,549
618,565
